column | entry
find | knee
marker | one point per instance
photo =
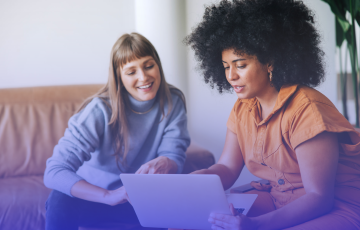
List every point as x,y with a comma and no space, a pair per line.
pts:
59,201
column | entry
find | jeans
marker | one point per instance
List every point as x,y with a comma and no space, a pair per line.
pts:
68,213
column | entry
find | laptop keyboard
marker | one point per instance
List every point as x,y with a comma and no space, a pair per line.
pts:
240,210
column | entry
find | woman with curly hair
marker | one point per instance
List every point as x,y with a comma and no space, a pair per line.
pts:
283,130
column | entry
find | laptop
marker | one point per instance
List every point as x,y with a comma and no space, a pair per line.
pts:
180,200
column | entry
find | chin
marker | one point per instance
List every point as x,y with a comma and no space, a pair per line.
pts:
244,96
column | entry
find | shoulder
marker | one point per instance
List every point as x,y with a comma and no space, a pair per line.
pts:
177,99
96,110
309,113
177,95
311,100
177,109
307,95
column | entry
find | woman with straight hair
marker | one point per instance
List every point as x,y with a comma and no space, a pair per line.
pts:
135,124
268,52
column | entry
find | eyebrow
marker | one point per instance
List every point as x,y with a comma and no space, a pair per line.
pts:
149,59
240,59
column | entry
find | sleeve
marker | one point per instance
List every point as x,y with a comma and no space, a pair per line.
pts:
231,122
176,139
313,118
81,138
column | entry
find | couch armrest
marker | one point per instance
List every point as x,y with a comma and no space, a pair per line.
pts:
197,158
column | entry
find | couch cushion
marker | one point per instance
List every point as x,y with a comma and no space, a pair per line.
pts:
22,203
197,158
32,120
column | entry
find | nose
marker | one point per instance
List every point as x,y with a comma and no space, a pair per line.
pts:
232,74
142,75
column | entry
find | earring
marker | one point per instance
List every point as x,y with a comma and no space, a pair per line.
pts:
270,76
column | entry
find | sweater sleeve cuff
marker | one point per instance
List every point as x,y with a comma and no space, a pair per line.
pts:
64,182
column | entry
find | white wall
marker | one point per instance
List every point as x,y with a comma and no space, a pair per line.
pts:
59,42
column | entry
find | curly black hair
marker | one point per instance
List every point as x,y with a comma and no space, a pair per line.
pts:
280,32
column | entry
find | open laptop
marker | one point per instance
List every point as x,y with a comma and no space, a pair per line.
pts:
180,200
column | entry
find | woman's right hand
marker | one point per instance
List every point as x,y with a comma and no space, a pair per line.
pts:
117,196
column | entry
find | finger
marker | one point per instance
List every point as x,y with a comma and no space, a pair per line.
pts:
139,170
219,223
221,217
143,169
128,199
152,170
233,210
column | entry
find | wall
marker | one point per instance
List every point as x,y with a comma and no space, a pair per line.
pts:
325,21
59,42
165,29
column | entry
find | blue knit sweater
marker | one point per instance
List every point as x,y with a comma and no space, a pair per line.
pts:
86,150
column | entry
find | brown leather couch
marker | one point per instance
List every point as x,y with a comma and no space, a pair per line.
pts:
32,120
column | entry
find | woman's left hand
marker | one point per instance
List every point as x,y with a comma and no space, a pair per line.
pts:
235,221
159,165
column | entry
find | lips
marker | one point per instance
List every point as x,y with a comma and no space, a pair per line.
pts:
146,86
238,88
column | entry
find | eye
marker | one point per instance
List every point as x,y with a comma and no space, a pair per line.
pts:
149,67
226,67
131,73
241,66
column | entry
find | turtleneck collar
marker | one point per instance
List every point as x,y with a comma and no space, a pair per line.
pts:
140,106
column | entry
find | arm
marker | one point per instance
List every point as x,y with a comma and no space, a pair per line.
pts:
317,156
230,163
83,135
318,159
87,191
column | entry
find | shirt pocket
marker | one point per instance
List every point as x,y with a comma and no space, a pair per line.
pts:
278,155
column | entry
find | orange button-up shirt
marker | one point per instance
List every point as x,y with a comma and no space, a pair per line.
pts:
268,146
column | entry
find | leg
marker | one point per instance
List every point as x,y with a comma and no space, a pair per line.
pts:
61,212
336,219
65,212
96,215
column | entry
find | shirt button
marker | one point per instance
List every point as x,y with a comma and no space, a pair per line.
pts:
281,182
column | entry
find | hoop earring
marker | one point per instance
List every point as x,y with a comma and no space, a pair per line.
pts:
270,77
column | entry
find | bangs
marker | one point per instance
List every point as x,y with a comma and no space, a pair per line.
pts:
132,49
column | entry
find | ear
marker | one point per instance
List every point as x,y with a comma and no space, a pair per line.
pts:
270,67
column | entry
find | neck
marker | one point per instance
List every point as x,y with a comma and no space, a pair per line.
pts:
267,100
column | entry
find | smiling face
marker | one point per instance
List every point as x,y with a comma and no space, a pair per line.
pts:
246,74
141,78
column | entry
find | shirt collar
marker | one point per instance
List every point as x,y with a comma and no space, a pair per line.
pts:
140,106
284,95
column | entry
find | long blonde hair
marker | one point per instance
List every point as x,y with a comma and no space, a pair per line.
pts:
126,49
